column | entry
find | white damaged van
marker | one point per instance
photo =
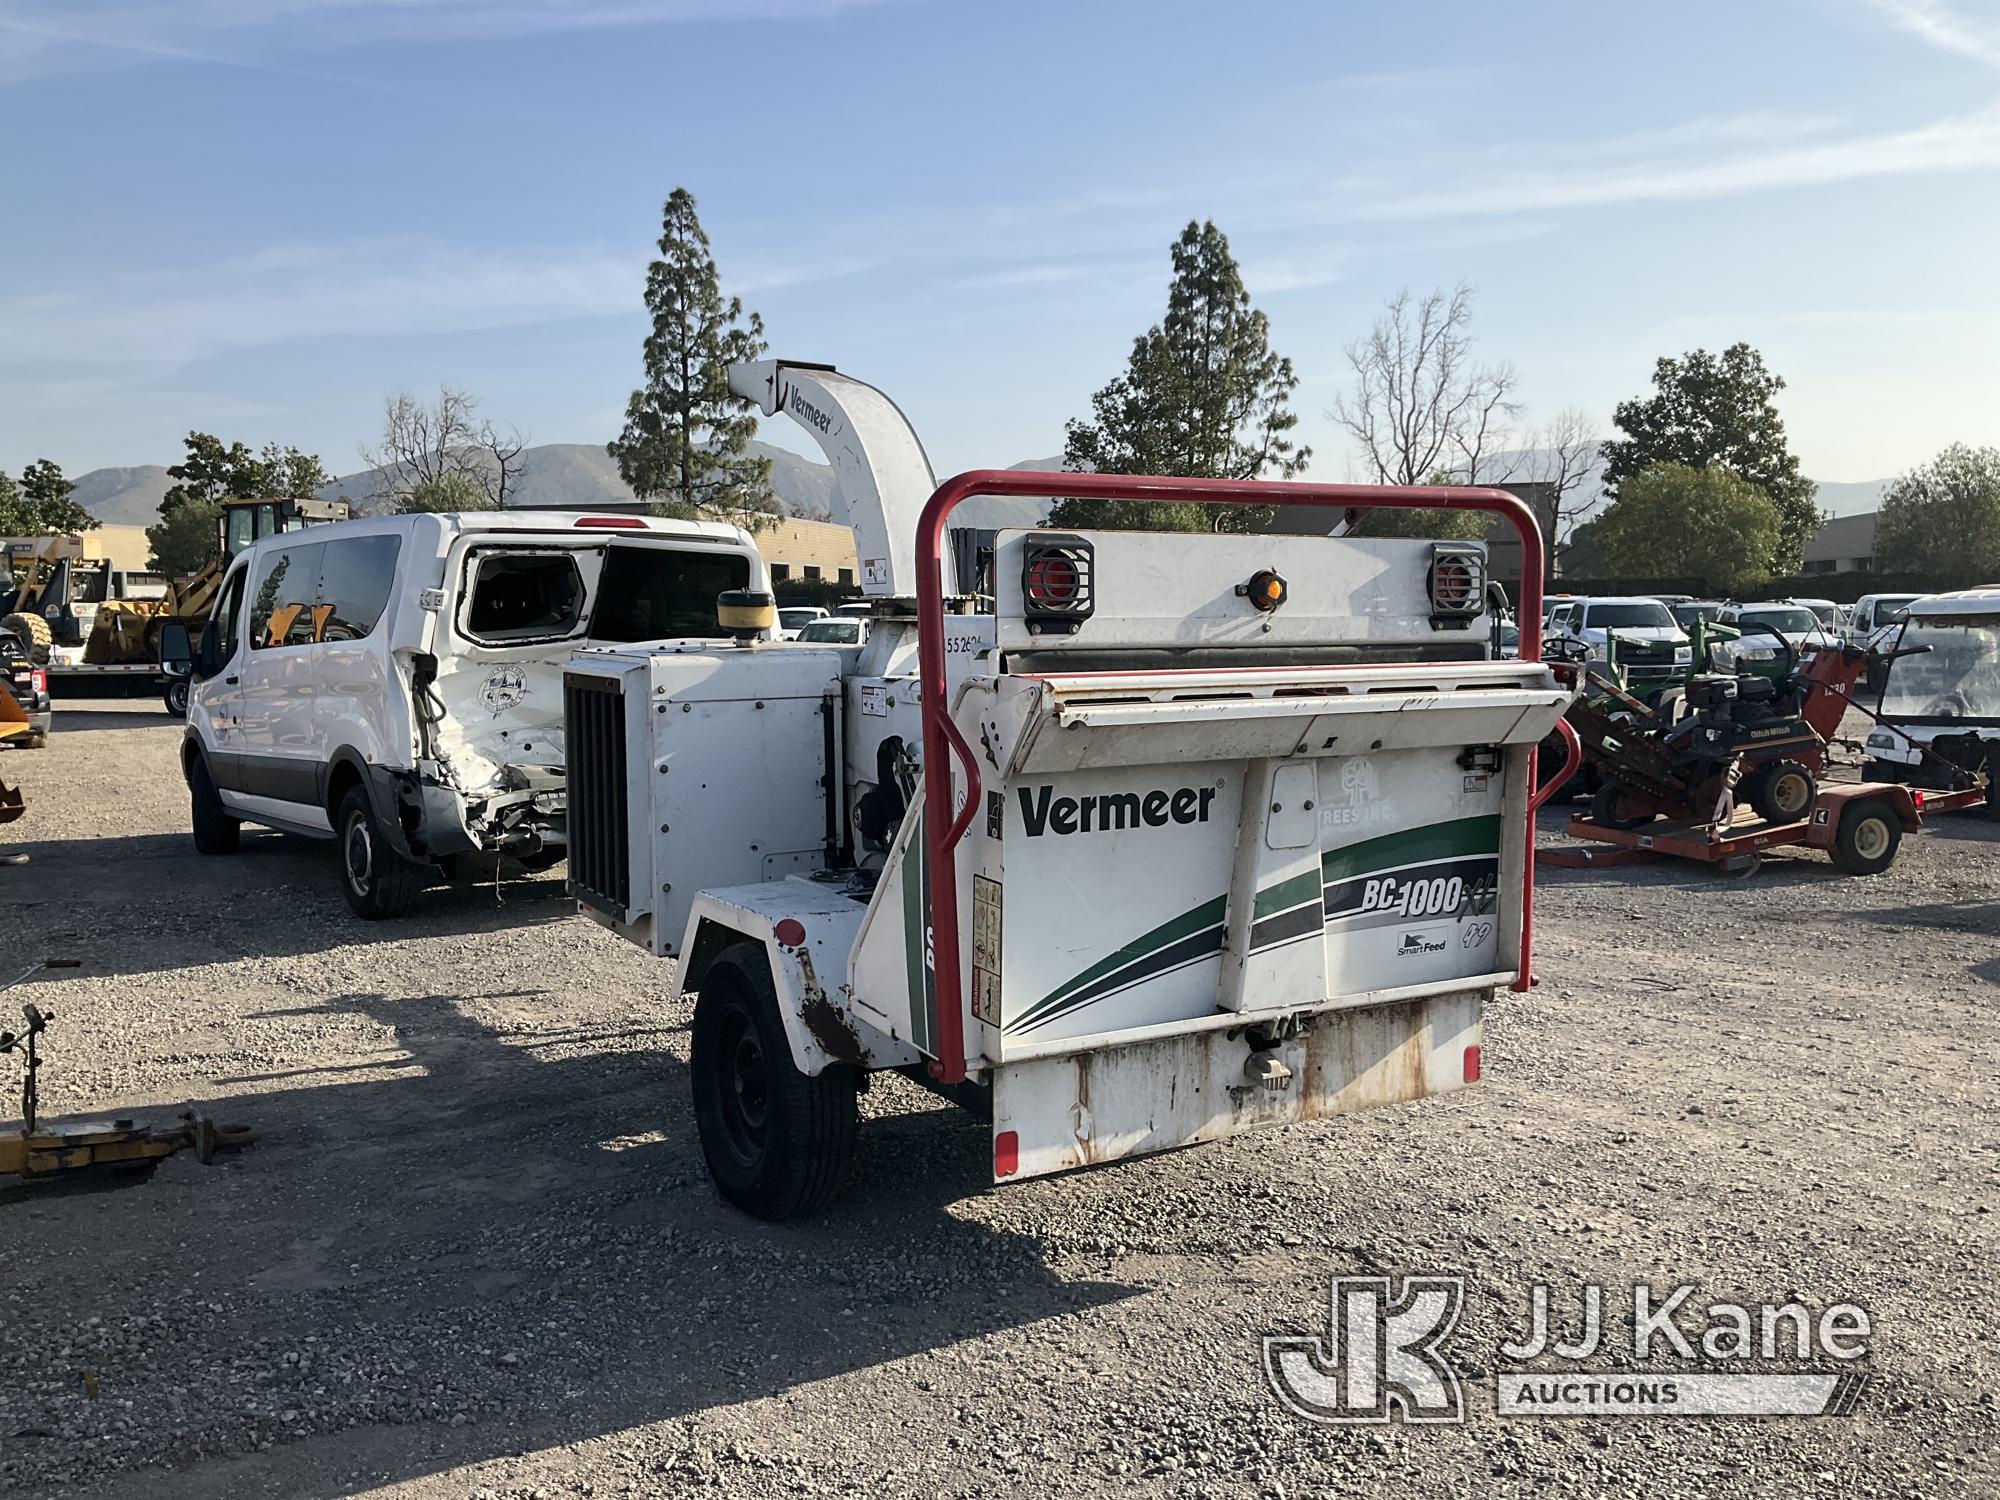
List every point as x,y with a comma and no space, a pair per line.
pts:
396,683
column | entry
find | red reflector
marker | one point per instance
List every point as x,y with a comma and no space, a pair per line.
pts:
610,523
1451,586
1918,799
1053,581
1006,1153
791,932
1472,1064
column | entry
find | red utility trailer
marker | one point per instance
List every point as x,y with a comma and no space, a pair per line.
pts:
1860,825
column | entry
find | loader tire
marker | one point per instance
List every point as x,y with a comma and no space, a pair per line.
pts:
377,881
33,633
1869,834
1782,791
215,831
778,1143
1610,809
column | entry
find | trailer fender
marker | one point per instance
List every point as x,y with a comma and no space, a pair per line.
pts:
1823,824
806,974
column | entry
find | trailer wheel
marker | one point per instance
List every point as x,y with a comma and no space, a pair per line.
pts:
1609,808
377,881
1868,837
215,831
1782,792
176,697
778,1143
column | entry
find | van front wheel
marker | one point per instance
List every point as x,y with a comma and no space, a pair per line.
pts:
215,832
377,881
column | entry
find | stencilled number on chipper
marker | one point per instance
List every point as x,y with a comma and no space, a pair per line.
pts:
1428,896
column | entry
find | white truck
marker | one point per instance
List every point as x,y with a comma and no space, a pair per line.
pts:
1155,840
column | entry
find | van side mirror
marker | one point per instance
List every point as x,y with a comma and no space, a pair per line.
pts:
176,650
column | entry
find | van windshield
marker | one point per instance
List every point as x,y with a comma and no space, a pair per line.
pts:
1640,614
662,594
1788,621
1958,678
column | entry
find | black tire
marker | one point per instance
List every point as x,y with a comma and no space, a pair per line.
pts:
32,631
215,831
377,881
1606,809
1869,834
176,697
777,1142
1893,772
1782,791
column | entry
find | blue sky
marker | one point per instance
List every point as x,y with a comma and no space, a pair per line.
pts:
258,217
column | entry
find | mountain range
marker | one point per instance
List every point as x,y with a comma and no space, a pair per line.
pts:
582,475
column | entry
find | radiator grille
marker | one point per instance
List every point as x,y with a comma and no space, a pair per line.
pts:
600,863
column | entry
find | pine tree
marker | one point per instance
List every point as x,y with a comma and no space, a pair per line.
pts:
1203,395
686,443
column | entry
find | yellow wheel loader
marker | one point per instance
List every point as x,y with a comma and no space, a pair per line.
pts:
57,585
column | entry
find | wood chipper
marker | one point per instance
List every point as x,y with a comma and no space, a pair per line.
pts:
1153,839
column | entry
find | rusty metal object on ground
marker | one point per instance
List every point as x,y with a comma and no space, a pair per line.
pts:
104,1145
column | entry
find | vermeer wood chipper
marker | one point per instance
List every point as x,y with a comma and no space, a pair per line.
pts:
1152,839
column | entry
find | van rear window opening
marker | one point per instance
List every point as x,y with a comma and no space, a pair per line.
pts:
524,596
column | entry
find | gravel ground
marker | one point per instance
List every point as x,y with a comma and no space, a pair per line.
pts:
475,1252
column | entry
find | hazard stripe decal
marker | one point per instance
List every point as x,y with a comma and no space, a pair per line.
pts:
1286,912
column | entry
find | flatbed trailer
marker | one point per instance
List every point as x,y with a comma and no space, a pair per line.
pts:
1860,824
75,676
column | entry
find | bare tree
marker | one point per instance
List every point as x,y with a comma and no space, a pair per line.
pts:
1564,471
1423,409
443,448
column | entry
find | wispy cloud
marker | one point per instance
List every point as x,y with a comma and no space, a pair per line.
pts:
158,320
40,36
1638,171
1941,26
